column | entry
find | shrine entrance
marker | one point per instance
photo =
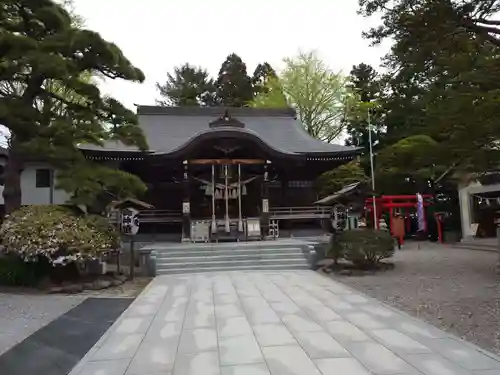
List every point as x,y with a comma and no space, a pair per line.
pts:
228,192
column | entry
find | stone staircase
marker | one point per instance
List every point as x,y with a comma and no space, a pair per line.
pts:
211,257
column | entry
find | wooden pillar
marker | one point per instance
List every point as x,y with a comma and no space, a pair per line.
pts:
186,206
391,215
226,199
426,225
284,189
439,227
264,218
214,223
240,216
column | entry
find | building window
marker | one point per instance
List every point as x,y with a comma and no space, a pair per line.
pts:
43,178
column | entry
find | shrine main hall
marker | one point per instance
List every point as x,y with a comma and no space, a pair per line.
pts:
225,173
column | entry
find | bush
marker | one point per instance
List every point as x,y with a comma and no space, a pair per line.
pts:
365,248
336,249
106,232
15,272
57,234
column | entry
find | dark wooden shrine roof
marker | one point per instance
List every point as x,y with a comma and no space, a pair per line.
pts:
346,190
169,130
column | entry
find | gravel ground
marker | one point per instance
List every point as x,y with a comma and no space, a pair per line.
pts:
454,289
24,311
21,315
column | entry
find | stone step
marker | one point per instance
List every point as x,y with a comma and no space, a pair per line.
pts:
162,254
259,267
229,257
250,245
232,263
475,246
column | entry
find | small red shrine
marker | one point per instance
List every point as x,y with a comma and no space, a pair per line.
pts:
393,203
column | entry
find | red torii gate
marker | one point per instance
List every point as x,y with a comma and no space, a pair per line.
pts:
390,202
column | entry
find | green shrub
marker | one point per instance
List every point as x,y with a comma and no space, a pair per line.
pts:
56,233
15,272
365,248
104,229
336,250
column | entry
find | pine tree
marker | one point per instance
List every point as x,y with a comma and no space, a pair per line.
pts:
365,83
188,86
44,55
261,76
234,86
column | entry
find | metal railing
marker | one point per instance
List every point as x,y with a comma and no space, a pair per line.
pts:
275,213
160,216
307,212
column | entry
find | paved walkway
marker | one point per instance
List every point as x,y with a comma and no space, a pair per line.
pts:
273,323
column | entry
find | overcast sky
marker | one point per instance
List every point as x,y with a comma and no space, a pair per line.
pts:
157,35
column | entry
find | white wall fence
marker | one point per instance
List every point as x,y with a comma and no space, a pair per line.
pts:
36,193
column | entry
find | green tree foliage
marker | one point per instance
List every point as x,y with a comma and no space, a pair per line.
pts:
233,85
69,5
442,80
261,76
96,185
188,86
41,47
411,156
332,181
271,97
476,17
320,96
365,83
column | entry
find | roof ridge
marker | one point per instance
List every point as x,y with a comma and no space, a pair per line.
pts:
215,111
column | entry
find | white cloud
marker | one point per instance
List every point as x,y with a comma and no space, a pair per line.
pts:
157,35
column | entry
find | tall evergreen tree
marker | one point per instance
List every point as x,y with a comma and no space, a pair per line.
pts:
365,82
233,85
478,17
261,76
40,45
188,86
442,74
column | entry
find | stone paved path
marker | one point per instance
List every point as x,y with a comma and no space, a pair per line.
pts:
273,323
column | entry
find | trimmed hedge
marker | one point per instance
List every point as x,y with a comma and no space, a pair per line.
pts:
365,248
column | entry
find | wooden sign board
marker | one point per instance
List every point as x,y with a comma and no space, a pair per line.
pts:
473,228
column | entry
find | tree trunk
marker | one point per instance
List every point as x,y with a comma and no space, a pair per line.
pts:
12,188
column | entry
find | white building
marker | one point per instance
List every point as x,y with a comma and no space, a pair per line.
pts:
38,181
479,206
